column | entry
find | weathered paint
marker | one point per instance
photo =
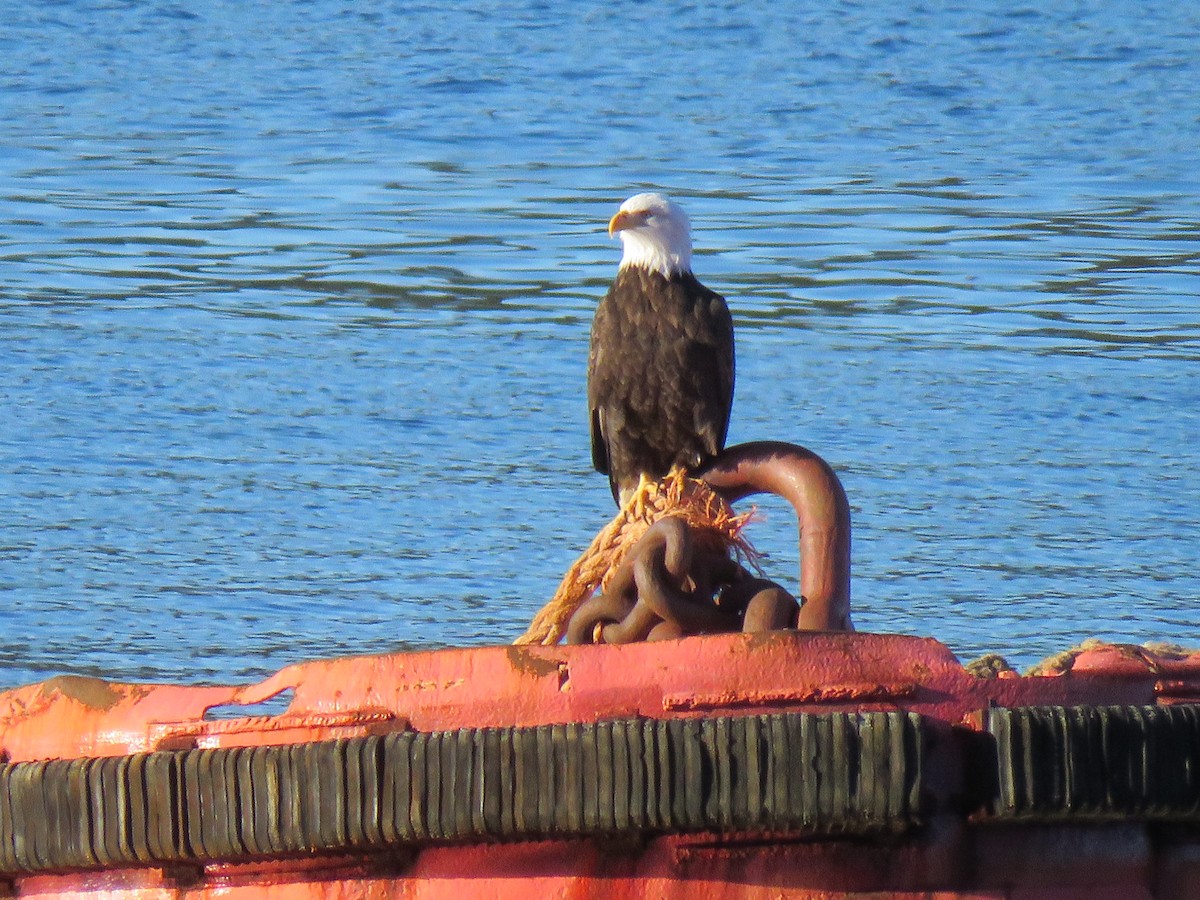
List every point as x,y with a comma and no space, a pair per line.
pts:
785,671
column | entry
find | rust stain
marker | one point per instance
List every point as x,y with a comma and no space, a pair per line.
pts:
1178,690
524,660
767,640
431,685
842,693
95,693
279,729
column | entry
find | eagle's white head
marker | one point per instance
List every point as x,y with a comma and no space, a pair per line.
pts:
655,234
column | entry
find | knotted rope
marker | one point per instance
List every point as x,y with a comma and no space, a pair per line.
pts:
717,529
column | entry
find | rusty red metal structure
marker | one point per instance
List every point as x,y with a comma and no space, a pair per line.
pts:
810,763
807,482
965,841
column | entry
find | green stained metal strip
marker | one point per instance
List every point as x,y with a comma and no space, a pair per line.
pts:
1097,763
853,773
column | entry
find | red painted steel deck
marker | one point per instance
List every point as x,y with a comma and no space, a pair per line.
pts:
71,717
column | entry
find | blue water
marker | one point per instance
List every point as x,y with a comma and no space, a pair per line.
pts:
294,302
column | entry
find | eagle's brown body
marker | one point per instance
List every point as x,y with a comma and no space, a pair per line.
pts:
660,376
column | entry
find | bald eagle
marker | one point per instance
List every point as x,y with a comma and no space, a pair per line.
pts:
660,365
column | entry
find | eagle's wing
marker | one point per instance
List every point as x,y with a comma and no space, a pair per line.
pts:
598,386
600,460
599,446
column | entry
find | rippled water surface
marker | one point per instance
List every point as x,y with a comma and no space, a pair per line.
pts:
294,302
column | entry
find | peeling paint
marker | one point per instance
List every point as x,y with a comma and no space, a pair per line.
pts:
531,663
95,693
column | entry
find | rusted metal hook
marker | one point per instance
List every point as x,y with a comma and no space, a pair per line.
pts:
822,513
668,587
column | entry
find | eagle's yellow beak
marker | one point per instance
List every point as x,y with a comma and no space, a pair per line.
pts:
623,220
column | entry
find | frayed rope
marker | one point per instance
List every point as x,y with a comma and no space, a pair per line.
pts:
716,525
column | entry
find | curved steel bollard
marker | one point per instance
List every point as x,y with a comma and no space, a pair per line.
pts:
822,513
